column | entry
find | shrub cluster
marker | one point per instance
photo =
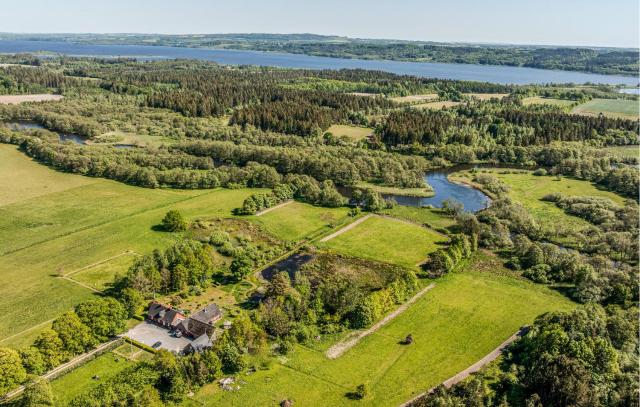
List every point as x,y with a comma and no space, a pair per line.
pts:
445,260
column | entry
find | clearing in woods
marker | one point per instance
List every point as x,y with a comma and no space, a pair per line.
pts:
355,133
538,100
623,108
17,99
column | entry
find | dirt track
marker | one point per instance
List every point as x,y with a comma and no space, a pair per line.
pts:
341,347
346,228
273,208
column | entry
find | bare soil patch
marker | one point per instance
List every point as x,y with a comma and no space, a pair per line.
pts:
17,99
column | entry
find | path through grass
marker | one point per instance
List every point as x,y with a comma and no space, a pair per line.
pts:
465,316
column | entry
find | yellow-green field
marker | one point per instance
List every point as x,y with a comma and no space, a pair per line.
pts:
538,100
297,221
437,105
387,240
21,179
415,98
454,325
623,108
82,221
486,96
355,133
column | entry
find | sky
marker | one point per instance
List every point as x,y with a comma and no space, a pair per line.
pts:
544,22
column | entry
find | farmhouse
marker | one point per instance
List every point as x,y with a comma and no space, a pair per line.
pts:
201,322
165,315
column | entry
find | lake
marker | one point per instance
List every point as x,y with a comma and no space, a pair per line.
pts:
472,199
488,73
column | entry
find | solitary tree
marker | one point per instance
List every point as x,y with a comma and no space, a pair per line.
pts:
174,222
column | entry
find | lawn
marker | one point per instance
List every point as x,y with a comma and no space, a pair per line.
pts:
454,325
528,189
81,380
82,221
387,240
628,109
297,221
355,133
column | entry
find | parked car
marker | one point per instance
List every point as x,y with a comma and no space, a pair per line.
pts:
157,345
178,334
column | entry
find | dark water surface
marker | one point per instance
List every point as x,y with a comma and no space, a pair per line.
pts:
488,73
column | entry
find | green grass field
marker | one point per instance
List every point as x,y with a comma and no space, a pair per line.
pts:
27,180
355,133
297,220
454,325
82,221
81,380
528,189
102,275
629,109
537,100
387,240
427,216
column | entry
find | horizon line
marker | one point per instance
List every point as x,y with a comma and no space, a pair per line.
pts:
488,43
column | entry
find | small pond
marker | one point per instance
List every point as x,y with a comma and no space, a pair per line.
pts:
74,138
472,199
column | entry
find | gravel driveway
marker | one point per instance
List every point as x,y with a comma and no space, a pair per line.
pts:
150,333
